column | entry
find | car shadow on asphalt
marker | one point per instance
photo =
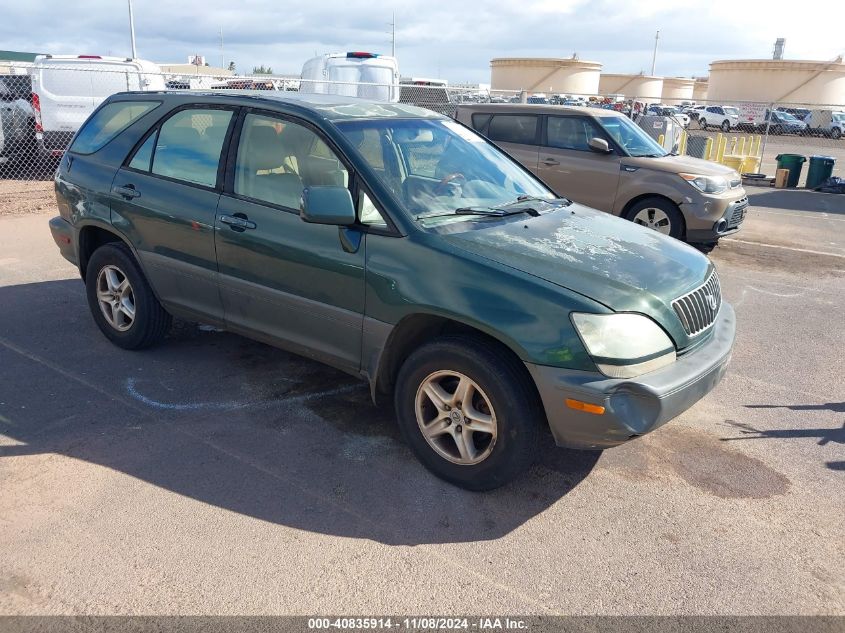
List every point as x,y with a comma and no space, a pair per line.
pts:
242,426
797,200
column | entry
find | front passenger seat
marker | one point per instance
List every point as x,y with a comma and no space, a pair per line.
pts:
264,152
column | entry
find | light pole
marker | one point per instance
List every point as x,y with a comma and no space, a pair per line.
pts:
654,57
132,30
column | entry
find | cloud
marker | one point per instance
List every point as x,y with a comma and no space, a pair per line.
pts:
434,37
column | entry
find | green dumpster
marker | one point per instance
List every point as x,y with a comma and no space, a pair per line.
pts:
821,168
794,163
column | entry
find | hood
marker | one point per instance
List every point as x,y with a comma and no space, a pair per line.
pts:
622,265
676,164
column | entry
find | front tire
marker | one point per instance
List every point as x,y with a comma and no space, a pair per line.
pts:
659,214
468,411
702,124
835,133
121,301
726,126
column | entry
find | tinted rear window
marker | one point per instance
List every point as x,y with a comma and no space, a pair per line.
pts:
108,122
513,128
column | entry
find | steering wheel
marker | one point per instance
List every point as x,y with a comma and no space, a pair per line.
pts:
447,179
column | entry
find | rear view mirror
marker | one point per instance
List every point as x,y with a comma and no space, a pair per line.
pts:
599,145
327,205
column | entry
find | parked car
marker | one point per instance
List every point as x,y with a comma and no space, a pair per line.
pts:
17,122
669,111
798,113
67,88
826,122
724,117
426,93
399,246
780,122
604,160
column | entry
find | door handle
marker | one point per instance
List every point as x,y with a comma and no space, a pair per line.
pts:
127,191
238,222
551,161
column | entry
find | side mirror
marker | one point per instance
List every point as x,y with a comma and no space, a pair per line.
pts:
327,205
599,145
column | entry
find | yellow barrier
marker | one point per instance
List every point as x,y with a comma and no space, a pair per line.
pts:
708,149
660,140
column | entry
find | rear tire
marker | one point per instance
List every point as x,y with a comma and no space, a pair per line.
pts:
461,390
655,213
121,301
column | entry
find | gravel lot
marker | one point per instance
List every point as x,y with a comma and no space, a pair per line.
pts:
217,475
20,197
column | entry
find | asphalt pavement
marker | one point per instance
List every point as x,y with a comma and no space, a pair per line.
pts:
215,475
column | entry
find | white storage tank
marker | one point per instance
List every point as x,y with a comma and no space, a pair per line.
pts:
643,87
787,80
533,74
699,90
677,89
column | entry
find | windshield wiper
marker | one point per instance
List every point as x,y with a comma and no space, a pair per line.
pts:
556,202
487,211
496,211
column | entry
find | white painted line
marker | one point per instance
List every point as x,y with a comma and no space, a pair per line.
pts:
223,406
784,248
812,215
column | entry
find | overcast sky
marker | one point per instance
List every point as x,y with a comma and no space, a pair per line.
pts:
445,38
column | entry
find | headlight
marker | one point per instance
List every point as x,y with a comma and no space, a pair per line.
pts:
706,184
624,345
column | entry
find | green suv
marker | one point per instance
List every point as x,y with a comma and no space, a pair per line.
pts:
401,247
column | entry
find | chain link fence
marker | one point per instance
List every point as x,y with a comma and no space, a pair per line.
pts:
40,110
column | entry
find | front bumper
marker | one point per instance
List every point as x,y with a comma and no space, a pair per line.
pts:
729,215
633,406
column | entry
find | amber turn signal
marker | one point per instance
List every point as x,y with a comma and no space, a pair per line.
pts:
586,407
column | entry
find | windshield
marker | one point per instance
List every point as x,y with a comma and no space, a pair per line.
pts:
839,117
436,166
631,137
786,116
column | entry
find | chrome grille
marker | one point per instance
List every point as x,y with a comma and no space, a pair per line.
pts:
738,214
697,310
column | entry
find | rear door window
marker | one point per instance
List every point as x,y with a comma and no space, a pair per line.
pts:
514,128
189,145
108,122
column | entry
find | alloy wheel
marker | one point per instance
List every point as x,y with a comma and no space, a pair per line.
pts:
654,218
456,417
116,298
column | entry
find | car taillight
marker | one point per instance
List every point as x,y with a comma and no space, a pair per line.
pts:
36,108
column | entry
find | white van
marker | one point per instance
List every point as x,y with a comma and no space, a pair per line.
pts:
347,74
67,88
826,122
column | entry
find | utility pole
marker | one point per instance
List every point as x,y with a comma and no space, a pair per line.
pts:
654,57
132,30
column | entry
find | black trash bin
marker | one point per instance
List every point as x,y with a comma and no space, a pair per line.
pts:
696,146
